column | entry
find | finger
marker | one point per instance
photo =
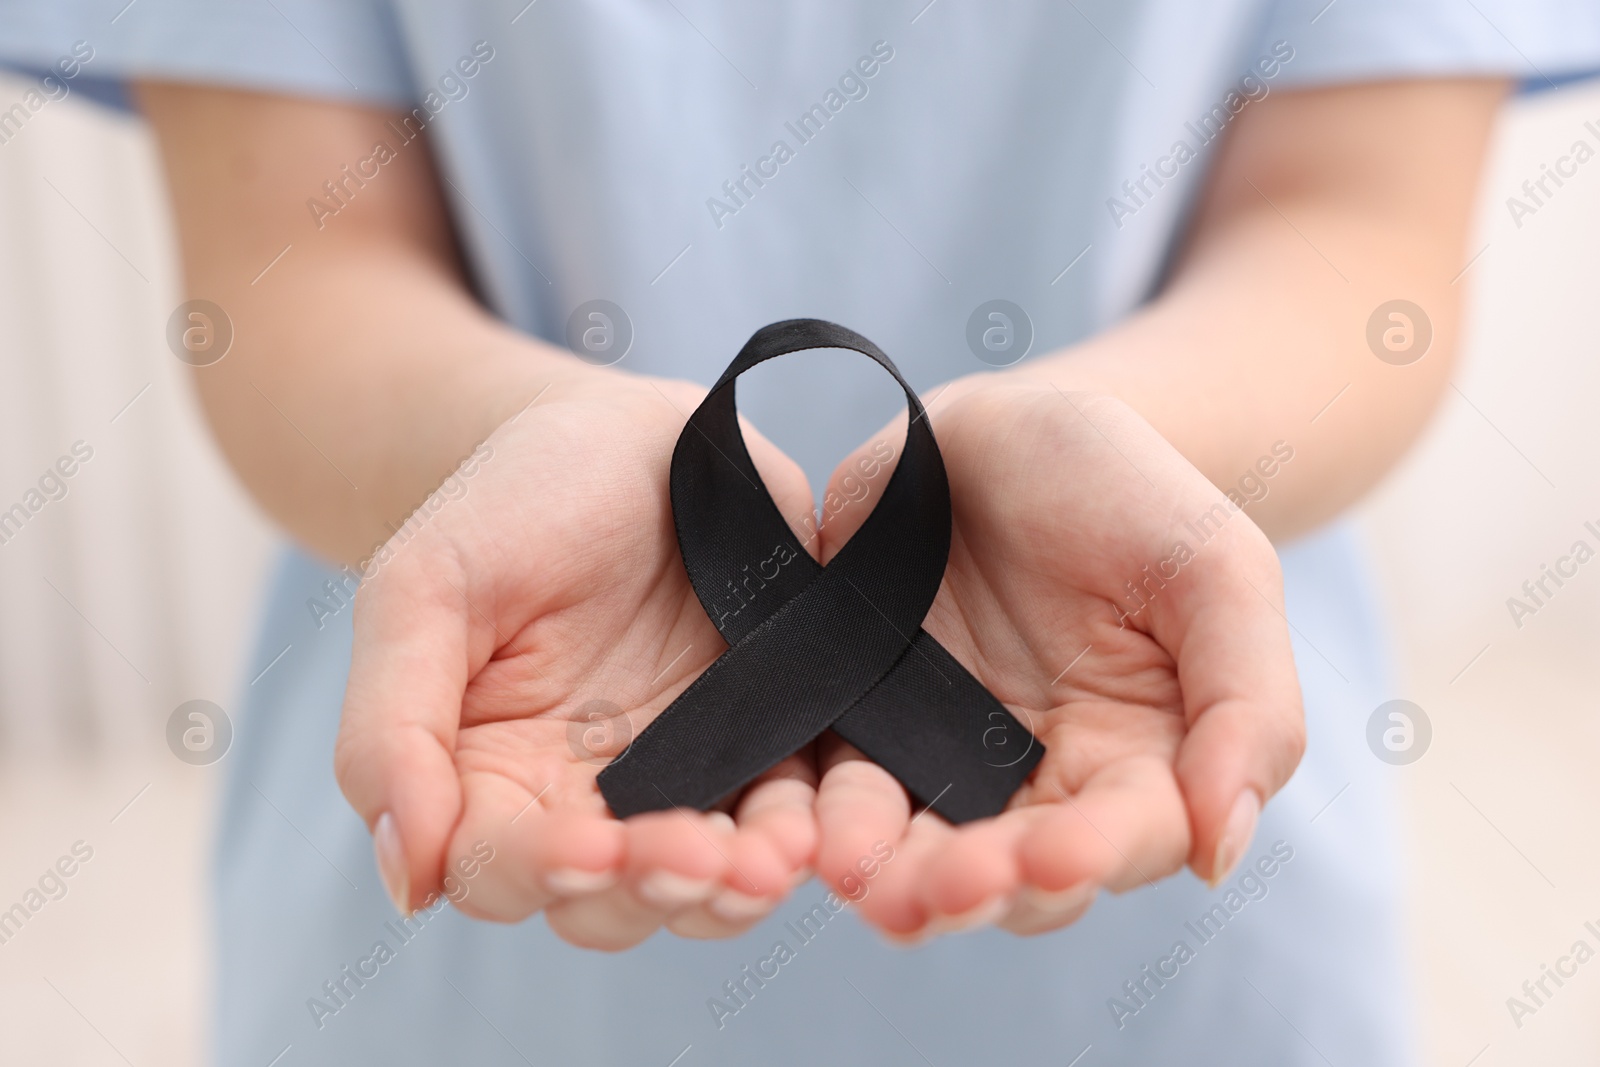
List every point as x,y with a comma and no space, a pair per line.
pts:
780,807
1036,912
770,843
677,894
679,861
540,856
670,864
394,757
1241,695
694,872
874,848
856,483
757,879
975,877
610,920
892,900
786,483
674,859
862,812
776,821
1127,826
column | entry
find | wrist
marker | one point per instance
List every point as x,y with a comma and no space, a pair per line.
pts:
445,414
1053,374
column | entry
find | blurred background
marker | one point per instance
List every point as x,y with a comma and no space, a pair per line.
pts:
136,591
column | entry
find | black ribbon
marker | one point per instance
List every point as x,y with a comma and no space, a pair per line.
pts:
813,647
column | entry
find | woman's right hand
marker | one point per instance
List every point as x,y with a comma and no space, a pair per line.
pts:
551,590
515,643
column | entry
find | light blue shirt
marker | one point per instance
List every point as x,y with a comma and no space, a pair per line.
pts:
933,156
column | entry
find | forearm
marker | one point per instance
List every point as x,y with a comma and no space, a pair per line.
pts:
361,371
358,387
1261,335
1253,349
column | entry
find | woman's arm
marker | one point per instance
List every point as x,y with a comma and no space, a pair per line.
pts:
1324,205
362,370
1150,654
508,646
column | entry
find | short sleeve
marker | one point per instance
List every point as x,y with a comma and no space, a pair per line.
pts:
350,49
1540,41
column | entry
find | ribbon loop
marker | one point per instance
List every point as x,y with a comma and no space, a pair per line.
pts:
813,647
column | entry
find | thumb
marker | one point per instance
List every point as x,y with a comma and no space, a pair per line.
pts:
394,759
786,483
856,484
1241,694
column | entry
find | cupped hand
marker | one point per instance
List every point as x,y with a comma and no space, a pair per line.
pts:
1126,612
517,633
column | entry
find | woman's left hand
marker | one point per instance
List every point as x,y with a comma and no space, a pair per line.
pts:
1126,612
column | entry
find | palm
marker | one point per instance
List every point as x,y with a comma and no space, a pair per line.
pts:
597,628
1054,514
556,587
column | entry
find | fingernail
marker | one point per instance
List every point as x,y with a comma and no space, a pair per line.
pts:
665,889
801,877
1058,901
984,914
1236,835
1038,910
733,906
575,882
913,939
721,820
392,867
